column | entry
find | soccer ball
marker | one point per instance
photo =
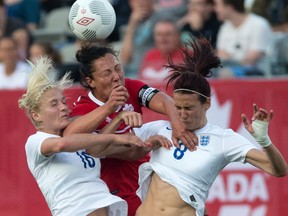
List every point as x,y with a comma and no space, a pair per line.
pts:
92,19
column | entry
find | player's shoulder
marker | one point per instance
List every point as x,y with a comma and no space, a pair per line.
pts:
217,130
82,109
155,126
83,104
36,139
152,128
132,83
82,99
30,141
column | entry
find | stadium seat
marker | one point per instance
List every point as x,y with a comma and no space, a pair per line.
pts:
278,54
56,27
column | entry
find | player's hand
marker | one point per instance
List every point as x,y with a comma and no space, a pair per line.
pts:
188,138
259,126
157,141
117,98
133,119
258,114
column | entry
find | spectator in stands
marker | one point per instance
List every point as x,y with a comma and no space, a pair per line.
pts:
200,20
176,8
242,39
15,27
275,11
67,169
41,49
138,37
167,40
26,10
13,72
8,24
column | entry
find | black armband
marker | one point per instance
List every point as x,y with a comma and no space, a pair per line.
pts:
146,94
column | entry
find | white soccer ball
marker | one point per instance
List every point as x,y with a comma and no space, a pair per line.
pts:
92,19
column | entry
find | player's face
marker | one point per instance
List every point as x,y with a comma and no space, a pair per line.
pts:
191,111
53,112
107,75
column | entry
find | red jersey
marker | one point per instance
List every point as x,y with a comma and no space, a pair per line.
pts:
121,176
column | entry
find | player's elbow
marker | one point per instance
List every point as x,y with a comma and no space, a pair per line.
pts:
281,172
62,146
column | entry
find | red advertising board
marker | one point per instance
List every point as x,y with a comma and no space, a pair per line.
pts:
240,190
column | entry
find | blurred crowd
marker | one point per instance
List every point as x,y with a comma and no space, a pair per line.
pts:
250,37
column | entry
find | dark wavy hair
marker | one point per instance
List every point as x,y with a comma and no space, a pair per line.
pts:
199,58
238,5
88,53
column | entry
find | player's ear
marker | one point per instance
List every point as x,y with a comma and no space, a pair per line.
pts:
90,82
35,116
207,104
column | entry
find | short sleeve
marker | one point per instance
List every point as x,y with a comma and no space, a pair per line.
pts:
33,150
140,92
134,86
236,147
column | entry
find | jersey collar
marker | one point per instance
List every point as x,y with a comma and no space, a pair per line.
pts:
94,99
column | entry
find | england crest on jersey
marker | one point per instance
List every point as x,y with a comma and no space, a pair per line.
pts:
204,140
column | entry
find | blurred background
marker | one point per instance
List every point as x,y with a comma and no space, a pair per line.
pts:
250,37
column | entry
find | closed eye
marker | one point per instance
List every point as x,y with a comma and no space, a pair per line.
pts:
64,100
184,108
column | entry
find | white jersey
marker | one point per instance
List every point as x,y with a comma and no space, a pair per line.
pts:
254,34
70,181
191,173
